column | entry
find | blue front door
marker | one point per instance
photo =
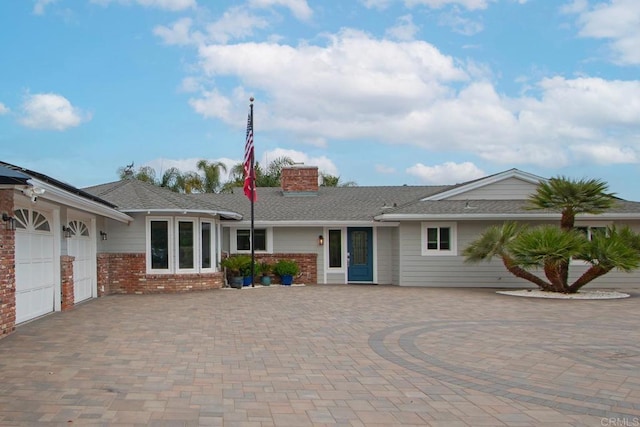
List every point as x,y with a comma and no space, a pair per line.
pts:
360,247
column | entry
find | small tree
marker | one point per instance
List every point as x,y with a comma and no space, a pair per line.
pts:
552,248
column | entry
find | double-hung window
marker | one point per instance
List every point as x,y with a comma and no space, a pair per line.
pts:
438,238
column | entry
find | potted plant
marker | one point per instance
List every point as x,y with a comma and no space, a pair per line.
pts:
245,270
235,266
265,268
286,269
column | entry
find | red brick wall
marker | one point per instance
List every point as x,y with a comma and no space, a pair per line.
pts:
299,179
66,282
126,274
7,268
307,262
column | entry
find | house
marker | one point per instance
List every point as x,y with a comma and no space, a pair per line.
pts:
48,235
60,245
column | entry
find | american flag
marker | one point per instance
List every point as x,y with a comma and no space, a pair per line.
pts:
249,172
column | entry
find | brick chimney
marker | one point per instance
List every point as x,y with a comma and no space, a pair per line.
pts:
299,179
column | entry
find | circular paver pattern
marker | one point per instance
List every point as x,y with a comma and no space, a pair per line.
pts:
476,356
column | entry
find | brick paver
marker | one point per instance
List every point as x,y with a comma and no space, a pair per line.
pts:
326,355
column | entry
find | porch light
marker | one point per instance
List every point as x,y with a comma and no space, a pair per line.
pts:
10,222
103,235
320,240
66,232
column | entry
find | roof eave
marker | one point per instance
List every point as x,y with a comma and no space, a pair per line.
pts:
226,214
505,216
62,196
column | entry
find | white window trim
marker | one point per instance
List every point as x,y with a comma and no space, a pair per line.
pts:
170,244
213,248
196,245
234,241
453,227
343,250
589,225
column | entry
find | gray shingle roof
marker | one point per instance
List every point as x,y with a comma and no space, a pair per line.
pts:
345,204
131,195
330,203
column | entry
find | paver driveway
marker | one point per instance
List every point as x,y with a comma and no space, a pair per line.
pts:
327,355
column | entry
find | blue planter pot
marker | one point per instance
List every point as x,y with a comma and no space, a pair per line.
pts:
246,281
286,279
265,280
236,282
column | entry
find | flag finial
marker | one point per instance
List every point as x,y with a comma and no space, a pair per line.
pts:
251,99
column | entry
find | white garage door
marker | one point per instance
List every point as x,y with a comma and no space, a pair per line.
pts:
35,272
79,246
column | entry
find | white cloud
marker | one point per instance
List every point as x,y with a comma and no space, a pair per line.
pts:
446,173
324,164
172,5
404,29
438,4
179,33
51,111
212,105
359,88
299,8
3,109
40,5
617,21
235,23
458,23
606,154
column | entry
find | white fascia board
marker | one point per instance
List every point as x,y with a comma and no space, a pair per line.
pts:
64,197
501,217
229,214
511,173
245,223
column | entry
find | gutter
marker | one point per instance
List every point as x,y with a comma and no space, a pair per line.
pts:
64,197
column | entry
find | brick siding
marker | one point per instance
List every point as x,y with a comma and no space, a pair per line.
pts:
126,274
66,282
7,268
307,263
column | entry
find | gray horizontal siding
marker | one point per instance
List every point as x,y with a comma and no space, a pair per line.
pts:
512,188
452,271
123,238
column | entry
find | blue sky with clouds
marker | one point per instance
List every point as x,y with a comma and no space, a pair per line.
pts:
380,92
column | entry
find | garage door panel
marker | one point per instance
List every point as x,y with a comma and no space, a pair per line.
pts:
80,247
35,267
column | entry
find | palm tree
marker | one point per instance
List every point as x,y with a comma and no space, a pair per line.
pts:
329,180
191,182
552,248
211,175
495,242
171,179
571,197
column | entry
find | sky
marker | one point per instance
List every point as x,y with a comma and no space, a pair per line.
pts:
378,92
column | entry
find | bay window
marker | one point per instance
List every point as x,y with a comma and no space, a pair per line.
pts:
180,245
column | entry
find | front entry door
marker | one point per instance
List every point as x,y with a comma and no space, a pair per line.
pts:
360,253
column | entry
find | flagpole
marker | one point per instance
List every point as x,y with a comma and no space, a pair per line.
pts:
253,189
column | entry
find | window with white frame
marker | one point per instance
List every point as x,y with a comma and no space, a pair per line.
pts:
335,248
261,237
438,238
590,231
179,245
